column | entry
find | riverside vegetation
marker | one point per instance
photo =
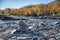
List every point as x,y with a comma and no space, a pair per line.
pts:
50,9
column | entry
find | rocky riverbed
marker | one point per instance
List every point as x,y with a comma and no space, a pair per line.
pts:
32,29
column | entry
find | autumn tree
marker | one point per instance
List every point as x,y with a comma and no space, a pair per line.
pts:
7,11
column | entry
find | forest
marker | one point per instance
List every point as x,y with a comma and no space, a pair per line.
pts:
50,9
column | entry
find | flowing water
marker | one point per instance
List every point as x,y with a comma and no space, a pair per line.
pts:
9,21
17,21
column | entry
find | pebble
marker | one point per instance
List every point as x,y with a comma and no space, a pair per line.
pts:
35,28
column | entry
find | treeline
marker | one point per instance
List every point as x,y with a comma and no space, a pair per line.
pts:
50,9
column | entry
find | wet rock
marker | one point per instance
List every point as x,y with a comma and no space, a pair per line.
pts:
51,39
29,29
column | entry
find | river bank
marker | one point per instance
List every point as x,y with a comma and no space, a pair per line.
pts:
31,29
3,17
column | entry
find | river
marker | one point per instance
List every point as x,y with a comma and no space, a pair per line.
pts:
17,21
9,21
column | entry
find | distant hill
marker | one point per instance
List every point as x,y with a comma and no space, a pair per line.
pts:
50,9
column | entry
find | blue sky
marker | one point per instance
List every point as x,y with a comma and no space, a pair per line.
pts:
20,3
